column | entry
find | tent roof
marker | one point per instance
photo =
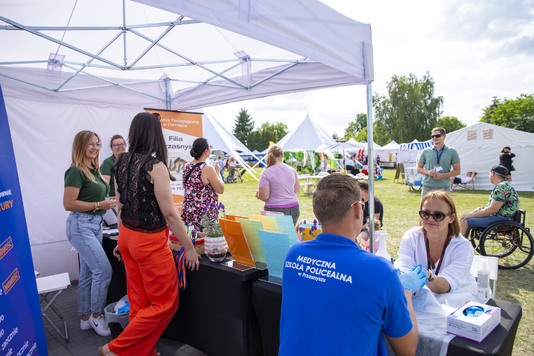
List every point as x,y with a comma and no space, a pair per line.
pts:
307,136
390,146
186,57
415,145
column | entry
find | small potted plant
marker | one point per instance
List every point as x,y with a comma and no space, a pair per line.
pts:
215,246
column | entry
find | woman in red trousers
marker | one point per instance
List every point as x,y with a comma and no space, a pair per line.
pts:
145,206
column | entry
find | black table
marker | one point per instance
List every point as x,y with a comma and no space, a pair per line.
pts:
267,301
215,313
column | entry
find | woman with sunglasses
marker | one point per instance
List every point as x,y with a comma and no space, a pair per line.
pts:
202,185
438,245
85,198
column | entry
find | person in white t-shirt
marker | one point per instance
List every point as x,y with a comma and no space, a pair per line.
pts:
279,185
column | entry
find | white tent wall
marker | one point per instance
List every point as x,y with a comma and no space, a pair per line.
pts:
479,146
42,133
326,49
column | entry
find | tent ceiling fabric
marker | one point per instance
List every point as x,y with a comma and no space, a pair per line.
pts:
170,57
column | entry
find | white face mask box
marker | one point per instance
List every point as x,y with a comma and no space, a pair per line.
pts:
474,321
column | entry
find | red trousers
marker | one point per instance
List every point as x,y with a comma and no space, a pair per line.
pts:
152,283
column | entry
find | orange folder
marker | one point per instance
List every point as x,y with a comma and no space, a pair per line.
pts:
236,241
234,217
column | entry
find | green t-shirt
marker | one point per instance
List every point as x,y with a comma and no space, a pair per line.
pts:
505,193
447,158
89,191
105,169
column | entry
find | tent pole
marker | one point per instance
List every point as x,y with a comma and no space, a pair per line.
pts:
369,76
167,93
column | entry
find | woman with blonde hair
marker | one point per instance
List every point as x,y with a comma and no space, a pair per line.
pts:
84,196
279,185
438,245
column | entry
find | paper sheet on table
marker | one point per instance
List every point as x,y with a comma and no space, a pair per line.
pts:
250,230
235,217
236,241
265,213
285,225
267,222
275,246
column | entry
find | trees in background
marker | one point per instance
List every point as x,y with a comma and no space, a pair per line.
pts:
409,110
243,126
259,139
512,113
450,123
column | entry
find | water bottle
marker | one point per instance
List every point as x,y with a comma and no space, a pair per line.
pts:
483,283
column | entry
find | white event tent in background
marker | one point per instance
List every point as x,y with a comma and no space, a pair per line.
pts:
307,136
480,145
65,69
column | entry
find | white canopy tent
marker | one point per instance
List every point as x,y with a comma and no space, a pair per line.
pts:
389,152
307,136
479,146
121,57
408,152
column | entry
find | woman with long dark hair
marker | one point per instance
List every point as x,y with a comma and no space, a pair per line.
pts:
146,207
84,196
202,185
279,185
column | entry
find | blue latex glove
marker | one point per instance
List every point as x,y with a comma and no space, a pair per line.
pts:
414,279
124,309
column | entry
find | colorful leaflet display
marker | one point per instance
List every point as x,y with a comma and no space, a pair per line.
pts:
235,217
250,229
285,225
306,235
275,246
268,223
236,241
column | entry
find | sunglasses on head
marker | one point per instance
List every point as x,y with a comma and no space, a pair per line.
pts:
436,136
437,216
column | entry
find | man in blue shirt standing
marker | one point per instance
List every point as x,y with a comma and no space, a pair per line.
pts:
338,299
438,163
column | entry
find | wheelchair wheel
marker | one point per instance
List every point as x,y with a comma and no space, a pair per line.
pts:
512,244
474,237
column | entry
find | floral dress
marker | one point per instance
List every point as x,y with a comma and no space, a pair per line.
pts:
197,196
505,193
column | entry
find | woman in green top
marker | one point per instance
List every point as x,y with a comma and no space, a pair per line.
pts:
85,197
118,147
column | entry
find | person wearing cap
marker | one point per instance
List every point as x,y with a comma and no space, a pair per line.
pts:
438,164
502,205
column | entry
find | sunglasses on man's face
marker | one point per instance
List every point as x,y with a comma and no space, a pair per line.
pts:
436,136
437,216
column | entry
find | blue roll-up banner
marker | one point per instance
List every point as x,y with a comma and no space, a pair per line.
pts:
21,323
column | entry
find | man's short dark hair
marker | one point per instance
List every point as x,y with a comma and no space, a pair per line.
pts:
334,196
363,185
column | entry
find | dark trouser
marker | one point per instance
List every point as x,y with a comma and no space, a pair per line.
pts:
293,211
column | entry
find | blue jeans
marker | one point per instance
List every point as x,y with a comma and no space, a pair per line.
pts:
84,232
486,220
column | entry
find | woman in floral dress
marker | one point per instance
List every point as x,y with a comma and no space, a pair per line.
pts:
202,185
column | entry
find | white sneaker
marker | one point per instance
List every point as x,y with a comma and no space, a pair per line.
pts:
99,325
84,324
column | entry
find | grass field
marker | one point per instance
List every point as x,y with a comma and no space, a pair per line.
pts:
400,214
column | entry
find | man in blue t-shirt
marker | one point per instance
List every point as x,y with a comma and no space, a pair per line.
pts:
338,299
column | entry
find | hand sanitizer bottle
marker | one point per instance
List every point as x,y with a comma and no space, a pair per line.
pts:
483,290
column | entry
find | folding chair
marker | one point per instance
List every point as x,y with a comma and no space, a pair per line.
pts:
46,286
468,185
489,263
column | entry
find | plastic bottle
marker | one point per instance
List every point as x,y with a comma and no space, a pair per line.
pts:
483,282
382,247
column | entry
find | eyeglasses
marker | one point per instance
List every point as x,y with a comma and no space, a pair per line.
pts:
97,145
437,216
361,202
436,136
119,145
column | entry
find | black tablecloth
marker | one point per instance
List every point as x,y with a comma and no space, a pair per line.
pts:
267,301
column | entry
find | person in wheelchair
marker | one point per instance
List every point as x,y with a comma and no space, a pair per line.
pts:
502,205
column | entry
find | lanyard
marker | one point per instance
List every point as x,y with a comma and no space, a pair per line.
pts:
442,254
438,156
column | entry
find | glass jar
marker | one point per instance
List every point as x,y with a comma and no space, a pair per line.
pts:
215,248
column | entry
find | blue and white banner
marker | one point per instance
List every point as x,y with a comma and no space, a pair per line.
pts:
21,323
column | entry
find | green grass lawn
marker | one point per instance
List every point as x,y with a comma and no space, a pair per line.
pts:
400,214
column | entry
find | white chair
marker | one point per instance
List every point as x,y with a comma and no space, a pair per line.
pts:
489,263
53,284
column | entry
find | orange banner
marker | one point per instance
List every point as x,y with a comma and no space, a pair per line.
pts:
180,129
